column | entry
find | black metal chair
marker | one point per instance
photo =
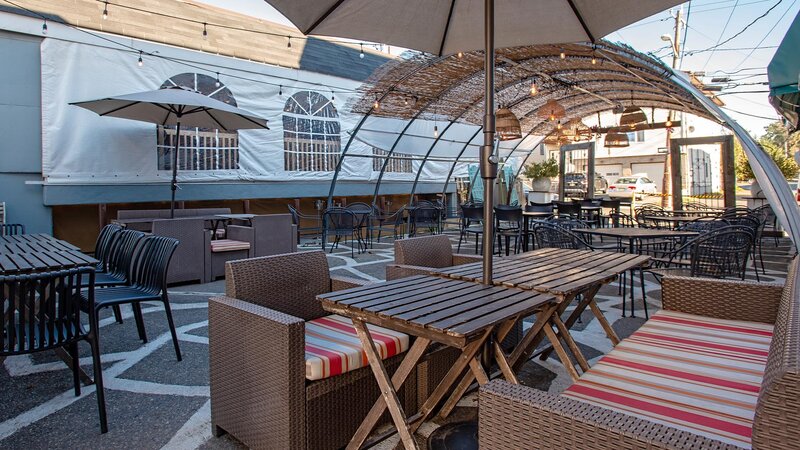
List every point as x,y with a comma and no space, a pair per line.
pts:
425,216
622,220
539,207
313,231
11,229
752,221
390,222
551,235
471,223
703,224
148,282
340,222
364,214
569,209
613,206
42,311
508,224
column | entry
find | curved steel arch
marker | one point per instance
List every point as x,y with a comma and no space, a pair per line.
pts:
361,122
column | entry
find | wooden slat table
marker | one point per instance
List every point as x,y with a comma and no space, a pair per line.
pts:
456,313
563,273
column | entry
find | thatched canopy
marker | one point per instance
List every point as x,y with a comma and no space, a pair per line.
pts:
451,87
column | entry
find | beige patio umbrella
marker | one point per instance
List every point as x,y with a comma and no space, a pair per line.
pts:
175,106
445,27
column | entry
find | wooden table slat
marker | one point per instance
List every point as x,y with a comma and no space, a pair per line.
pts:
522,308
462,295
496,302
375,298
26,253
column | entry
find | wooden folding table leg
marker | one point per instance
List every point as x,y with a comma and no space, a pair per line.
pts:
531,339
387,390
562,354
502,363
573,347
449,379
612,335
398,378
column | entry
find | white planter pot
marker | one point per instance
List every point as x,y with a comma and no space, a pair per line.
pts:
540,185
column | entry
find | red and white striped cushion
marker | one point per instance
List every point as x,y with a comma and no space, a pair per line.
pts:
228,245
689,372
333,347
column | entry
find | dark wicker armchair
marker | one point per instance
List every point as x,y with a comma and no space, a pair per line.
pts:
419,255
259,390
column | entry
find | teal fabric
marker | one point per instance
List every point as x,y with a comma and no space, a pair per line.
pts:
784,68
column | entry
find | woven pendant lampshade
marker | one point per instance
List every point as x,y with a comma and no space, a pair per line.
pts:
632,116
552,110
616,139
507,125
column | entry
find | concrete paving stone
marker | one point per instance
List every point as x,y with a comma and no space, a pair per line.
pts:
162,367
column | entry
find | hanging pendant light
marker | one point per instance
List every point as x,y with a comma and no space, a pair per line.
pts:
633,116
616,139
552,110
507,125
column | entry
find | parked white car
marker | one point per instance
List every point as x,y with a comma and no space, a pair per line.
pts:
627,187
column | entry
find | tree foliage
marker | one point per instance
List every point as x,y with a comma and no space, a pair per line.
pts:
785,163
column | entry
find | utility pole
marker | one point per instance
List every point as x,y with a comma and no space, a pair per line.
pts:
676,52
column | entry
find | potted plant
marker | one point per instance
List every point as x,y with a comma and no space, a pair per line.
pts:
540,174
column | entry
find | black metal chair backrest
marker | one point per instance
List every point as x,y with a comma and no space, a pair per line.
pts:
471,213
550,235
539,207
105,241
362,211
622,220
571,209
149,269
611,204
508,217
568,223
340,220
42,311
704,224
736,211
122,252
11,229
722,253
425,215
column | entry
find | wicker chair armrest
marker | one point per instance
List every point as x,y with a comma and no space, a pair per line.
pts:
257,373
339,283
240,233
515,416
459,259
722,299
395,271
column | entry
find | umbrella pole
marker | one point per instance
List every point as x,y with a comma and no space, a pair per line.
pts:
488,162
175,169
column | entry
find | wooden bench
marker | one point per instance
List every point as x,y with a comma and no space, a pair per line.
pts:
718,367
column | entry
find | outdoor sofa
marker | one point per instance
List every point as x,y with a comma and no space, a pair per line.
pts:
124,214
270,234
262,391
732,379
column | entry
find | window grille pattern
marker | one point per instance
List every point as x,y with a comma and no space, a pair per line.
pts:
311,133
200,148
398,163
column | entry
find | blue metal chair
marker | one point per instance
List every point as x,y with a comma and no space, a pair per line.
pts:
42,311
148,282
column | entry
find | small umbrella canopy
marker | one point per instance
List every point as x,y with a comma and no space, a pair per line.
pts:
445,27
172,105
783,72
175,106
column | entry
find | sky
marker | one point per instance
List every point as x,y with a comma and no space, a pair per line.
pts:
706,23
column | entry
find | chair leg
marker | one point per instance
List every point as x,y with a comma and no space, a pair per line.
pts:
117,313
460,237
172,331
137,314
94,343
76,380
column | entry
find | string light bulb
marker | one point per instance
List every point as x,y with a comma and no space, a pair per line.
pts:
552,116
105,10
289,42
205,32
44,27
594,59
562,55
436,131
558,125
377,104
668,123
361,54
141,61
333,98
534,89
405,101
460,55
280,90
217,83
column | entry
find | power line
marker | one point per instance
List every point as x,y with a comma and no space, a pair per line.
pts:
721,33
686,33
768,33
740,32
750,115
729,49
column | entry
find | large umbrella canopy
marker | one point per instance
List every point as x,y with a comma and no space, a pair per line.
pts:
175,106
444,27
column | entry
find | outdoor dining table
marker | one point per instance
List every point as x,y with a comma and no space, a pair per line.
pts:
39,252
564,273
459,314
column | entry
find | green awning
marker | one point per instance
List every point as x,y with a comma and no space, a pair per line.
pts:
783,72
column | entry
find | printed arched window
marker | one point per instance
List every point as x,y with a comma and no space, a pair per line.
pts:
311,133
200,148
398,162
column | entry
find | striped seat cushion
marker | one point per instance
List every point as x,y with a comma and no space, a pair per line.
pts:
333,347
689,372
228,245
